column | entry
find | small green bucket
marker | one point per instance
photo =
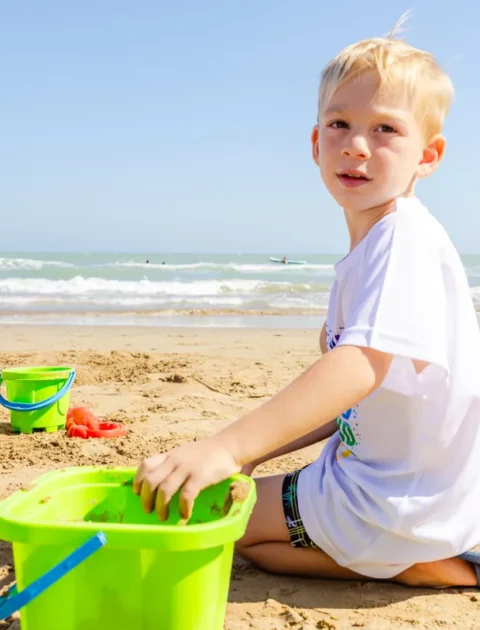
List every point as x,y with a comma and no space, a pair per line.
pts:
87,556
37,397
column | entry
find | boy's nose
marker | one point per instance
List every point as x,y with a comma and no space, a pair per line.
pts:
356,148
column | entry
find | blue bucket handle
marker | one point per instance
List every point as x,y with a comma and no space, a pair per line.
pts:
20,406
13,600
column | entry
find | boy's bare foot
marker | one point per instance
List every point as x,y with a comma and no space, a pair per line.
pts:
440,574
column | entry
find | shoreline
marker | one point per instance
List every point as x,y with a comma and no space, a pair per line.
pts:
205,319
161,312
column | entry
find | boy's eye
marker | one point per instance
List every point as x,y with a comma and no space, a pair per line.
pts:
338,124
386,129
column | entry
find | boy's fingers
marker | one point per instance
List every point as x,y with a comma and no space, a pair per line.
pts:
167,488
190,491
161,506
147,497
147,467
156,469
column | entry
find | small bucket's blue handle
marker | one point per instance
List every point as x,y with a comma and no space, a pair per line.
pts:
19,406
13,601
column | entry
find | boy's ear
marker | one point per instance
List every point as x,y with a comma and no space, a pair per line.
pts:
314,139
432,156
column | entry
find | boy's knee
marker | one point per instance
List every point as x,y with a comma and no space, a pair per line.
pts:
251,537
243,546
246,553
248,546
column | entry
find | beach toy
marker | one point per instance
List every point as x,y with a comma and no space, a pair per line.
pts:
108,430
102,430
82,423
128,569
83,416
37,397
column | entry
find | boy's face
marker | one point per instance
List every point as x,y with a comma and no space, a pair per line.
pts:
369,147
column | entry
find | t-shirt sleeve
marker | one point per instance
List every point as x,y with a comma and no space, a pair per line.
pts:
398,305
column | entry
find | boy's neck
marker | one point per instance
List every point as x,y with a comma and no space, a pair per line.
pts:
359,223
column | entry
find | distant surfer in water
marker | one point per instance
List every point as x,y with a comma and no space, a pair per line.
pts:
284,260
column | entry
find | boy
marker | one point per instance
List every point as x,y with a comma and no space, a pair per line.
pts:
394,493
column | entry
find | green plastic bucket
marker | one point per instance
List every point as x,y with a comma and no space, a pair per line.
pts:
37,397
148,575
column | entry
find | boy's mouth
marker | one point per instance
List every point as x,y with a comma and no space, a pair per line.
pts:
352,178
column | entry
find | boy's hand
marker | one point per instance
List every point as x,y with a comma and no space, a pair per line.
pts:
189,468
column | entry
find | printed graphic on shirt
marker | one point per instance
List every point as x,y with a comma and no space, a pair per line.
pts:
332,339
348,430
347,422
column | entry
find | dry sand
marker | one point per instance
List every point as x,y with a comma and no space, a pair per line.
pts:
169,386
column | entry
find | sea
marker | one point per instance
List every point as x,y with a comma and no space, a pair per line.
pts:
165,289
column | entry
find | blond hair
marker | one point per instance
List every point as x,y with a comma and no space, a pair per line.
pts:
399,66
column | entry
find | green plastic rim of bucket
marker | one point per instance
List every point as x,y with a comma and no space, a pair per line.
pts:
44,373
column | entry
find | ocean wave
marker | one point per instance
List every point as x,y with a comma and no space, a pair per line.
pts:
473,272
88,293
475,292
240,267
83,287
95,293
30,264
140,304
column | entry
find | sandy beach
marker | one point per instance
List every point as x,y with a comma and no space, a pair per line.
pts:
170,385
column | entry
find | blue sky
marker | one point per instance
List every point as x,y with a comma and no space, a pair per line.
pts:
184,126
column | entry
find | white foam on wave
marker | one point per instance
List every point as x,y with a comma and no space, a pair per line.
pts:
30,264
86,292
475,291
81,286
161,302
240,267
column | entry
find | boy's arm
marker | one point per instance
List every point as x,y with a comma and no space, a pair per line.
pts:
317,435
333,384
323,338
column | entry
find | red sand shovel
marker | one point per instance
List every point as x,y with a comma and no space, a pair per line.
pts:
82,423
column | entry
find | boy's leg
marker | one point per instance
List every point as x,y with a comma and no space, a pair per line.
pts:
266,542
268,545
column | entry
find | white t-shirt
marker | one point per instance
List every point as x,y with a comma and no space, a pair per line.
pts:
399,482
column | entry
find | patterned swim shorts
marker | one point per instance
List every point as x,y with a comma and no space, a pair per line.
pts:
296,529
